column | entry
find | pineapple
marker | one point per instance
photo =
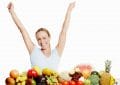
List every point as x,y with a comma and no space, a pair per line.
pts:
105,75
107,66
112,80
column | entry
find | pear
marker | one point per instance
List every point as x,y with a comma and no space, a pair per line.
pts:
87,82
37,69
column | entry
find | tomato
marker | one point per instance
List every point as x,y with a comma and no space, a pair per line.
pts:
65,83
60,84
32,73
72,82
79,83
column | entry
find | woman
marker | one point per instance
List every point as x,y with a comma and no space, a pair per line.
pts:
43,57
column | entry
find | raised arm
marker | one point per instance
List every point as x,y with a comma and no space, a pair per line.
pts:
22,29
62,37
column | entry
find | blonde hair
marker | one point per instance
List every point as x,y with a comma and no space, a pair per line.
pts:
43,29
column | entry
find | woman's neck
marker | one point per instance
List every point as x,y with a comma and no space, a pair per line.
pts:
46,52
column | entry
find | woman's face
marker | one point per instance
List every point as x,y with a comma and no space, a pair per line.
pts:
43,39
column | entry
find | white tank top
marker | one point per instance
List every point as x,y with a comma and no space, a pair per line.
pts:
38,58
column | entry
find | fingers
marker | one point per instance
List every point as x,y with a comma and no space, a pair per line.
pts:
9,5
72,5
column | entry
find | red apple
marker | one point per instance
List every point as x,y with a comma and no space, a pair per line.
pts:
72,82
14,73
79,83
32,73
10,81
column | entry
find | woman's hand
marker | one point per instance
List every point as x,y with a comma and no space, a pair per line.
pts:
10,7
71,5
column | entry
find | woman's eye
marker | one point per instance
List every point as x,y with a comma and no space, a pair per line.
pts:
44,38
39,39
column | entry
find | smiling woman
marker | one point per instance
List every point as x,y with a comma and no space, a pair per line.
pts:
92,38
43,57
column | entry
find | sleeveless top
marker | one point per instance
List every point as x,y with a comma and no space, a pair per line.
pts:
38,58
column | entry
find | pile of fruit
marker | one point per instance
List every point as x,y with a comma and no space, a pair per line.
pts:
80,75
34,76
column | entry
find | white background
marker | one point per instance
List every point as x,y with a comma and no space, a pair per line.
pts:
93,35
